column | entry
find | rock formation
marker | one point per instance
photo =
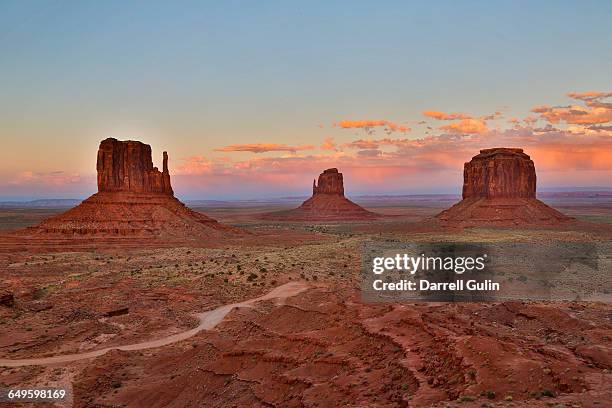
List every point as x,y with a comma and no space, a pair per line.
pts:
330,182
327,203
134,199
504,173
499,188
127,166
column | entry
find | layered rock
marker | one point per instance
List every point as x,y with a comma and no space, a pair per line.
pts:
134,199
327,203
127,166
499,188
501,172
330,182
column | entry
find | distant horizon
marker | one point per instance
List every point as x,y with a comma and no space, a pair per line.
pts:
575,189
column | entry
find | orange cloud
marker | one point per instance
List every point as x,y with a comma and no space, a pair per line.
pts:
495,115
579,154
596,111
574,114
445,116
328,144
563,157
370,125
376,143
263,147
466,126
397,128
587,96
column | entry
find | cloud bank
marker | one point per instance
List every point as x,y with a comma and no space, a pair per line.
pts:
570,145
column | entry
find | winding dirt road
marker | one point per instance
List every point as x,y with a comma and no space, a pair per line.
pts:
208,321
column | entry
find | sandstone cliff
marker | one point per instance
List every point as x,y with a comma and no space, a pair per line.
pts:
499,188
499,172
128,166
330,182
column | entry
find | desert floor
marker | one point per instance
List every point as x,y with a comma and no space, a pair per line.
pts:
315,344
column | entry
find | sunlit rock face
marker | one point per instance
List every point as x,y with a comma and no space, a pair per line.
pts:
500,172
499,188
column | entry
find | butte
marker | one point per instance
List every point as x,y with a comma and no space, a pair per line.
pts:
499,188
327,203
134,200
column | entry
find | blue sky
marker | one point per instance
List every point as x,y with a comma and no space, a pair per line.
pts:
191,77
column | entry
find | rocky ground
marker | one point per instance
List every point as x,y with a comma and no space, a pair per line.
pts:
323,347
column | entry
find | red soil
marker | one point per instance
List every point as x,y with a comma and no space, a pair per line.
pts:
501,212
142,215
328,349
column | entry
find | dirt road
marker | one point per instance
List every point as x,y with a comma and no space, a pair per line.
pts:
208,320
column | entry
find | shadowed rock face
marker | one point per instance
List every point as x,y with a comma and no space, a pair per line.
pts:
500,173
330,182
127,166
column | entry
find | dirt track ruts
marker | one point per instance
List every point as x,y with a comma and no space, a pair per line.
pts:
208,321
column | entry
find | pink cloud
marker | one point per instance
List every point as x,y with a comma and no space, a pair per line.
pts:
54,178
370,125
417,163
577,152
376,143
574,114
263,147
194,165
595,111
59,184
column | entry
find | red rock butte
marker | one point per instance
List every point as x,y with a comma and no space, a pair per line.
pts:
499,188
327,203
134,199
127,166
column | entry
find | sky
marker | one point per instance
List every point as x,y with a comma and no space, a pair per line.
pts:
255,99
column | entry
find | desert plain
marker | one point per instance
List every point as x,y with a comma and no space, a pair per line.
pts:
311,343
